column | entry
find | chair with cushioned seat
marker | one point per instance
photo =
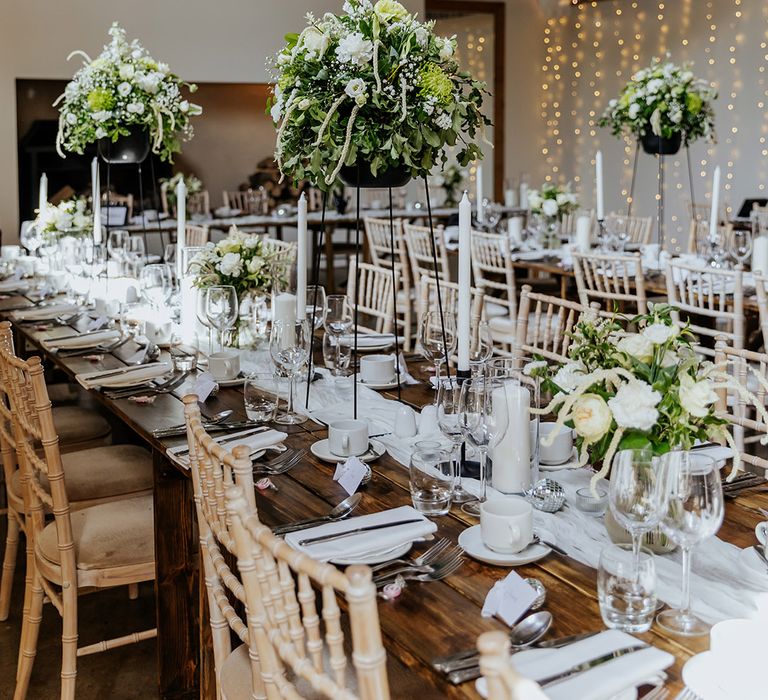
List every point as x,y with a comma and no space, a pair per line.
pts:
99,546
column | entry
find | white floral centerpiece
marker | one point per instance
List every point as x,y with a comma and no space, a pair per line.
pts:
636,390
71,217
664,100
193,184
553,201
124,87
373,86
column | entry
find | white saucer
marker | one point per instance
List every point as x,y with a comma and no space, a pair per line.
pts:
571,463
472,542
237,381
386,385
321,451
753,568
376,557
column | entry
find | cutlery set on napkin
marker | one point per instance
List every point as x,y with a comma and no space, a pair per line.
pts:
45,313
124,376
256,439
90,339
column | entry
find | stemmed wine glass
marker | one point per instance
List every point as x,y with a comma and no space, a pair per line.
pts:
316,302
448,396
740,245
693,512
135,256
480,346
636,494
289,349
438,341
116,246
338,320
221,308
156,285
482,426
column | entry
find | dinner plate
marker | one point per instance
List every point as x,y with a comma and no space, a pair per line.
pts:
704,677
571,463
321,451
472,542
753,568
377,557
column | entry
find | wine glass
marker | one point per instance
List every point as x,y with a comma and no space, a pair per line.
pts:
740,245
221,308
448,396
135,256
202,316
480,346
116,246
617,227
31,238
156,285
482,426
338,319
636,494
316,303
437,340
289,349
694,511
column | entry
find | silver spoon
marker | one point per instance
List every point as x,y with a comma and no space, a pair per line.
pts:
341,511
218,417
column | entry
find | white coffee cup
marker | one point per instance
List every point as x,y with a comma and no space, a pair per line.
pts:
348,437
377,369
10,252
224,364
506,524
560,448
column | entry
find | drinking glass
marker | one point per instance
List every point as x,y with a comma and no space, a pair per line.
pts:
289,348
626,588
116,246
481,426
316,302
693,511
337,355
156,285
31,238
480,346
618,230
437,340
740,245
636,493
184,352
448,396
133,319
260,393
431,481
135,256
338,319
202,316
221,308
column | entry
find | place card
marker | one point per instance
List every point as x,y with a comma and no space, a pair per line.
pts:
204,385
509,599
350,474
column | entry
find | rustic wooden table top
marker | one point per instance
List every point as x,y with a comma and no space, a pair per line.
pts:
427,620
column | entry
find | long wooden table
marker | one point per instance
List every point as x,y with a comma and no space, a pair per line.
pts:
427,620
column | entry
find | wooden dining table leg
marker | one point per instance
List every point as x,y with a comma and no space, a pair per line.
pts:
176,584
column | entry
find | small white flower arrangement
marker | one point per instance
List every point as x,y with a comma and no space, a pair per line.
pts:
664,100
240,260
553,201
636,390
372,85
70,217
124,87
193,184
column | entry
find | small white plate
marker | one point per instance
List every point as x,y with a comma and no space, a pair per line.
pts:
571,463
753,567
377,557
472,542
321,451
376,385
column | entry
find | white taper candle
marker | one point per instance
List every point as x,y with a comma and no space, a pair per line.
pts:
713,216
181,224
599,186
96,200
479,193
465,284
301,260
43,194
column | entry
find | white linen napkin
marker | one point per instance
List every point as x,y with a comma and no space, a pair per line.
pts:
86,340
255,442
364,542
130,375
599,683
405,376
369,340
13,285
45,313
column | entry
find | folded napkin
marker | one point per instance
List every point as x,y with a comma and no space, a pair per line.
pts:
717,452
599,683
129,375
86,340
45,313
255,442
369,340
364,542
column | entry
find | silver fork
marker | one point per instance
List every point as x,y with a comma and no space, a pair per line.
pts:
281,464
425,558
435,575
453,557
99,349
164,388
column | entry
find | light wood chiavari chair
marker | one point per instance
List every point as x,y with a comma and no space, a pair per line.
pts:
238,199
504,683
197,203
614,281
714,294
639,228
762,306
285,251
196,235
99,546
698,235
374,296
568,225
379,241
420,257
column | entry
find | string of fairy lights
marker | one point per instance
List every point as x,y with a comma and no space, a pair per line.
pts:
592,48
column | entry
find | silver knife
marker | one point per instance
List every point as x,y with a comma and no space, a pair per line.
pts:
236,438
587,665
122,370
349,533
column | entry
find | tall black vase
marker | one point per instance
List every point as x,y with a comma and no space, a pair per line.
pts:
361,176
133,148
658,145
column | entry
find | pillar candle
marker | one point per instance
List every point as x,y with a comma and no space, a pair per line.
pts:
284,307
512,454
510,198
181,224
465,283
301,260
599,185
583,234
713,216
515,230
524,195
96,199
479,194
760,255
43,194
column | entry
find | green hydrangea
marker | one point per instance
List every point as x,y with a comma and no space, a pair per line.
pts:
433,82
99,100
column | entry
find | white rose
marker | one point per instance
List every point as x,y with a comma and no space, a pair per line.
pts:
636,345
421,35
549,207
696,397
102,116
446,49
569,376
634,406
127,71
534,200
634,110
354,48
561,198
670,358
389,10
136,108
660,333
355,87
591,417
101,132
231,265
314,41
